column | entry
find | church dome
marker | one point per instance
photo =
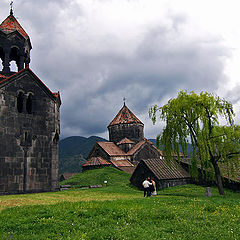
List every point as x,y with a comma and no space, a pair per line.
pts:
125,125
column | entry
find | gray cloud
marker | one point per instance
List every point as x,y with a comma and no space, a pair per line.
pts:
94,68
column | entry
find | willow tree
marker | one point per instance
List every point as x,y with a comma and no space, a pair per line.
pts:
192,118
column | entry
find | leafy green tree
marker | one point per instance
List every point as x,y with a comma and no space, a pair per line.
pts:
193,118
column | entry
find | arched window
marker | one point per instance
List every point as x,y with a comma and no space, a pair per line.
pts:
20,102
29,103
14,56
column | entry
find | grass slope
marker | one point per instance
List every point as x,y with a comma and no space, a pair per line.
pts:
120,212
113,176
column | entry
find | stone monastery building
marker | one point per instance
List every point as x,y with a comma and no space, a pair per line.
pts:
129,151
29,118
126,146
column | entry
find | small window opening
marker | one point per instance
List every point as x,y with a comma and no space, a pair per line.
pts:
25,136
14,59
20,102
56,137
29,104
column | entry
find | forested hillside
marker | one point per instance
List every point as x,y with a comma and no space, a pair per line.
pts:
73,152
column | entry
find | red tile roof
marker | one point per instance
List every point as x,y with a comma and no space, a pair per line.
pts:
95,161
2,77
136,147
124,141
10,24
160,151
139,144
162,170
121,163
5,79
125,116
111,149
127,169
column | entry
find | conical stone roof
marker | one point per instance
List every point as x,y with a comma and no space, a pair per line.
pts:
10,24
124,116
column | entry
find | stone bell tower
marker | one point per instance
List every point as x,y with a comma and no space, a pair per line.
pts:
29,118
125,125
15,44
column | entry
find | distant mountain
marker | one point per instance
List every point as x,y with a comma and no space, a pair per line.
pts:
73,152
77,145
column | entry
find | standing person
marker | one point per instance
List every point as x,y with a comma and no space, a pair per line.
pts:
154,188
146,185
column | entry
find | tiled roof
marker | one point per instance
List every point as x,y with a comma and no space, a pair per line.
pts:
95,161
125,116
121,163
127,169
27,69
154,146
2,77
10,24
136,147
124,141
162,170
111,149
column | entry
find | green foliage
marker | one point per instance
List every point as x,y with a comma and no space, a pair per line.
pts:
194,119
176,213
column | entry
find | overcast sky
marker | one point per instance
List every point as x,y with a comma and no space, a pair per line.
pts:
96,52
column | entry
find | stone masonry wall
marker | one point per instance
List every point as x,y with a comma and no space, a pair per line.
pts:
145,152
132,131
28,139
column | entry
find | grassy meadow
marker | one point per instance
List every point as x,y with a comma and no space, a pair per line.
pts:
119,211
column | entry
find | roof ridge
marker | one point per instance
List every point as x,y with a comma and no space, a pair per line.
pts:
28,68
112,149
125,140
11,24
124,116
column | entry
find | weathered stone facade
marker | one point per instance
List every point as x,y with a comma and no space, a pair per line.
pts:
144,151
133,131
127,145
125,125
29,123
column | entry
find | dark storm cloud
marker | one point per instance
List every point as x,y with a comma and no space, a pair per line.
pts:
93,71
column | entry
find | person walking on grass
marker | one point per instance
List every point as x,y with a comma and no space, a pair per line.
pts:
146,186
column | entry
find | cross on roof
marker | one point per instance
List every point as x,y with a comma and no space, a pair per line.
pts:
11,9
124,100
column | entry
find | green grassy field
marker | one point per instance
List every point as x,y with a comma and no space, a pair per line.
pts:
119,211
